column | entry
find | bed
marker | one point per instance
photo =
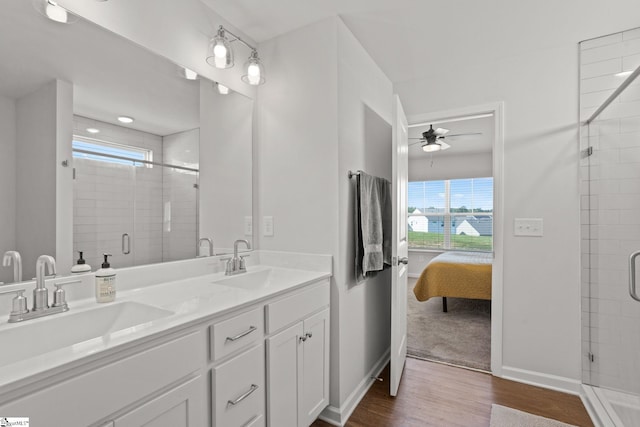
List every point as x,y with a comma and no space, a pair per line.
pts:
456,275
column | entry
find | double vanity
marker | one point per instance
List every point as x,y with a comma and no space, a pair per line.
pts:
182,345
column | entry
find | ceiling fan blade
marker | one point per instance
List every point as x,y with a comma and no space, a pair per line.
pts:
444,145
417,142
464,134
441,131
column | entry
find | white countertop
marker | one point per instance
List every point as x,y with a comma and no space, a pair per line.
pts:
191,300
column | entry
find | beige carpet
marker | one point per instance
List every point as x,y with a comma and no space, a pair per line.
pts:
462,336
501,416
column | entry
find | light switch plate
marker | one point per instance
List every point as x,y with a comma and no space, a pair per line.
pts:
267,225
248,225
531,227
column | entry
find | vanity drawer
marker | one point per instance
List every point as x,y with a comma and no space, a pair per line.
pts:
291,309
236,333
238,395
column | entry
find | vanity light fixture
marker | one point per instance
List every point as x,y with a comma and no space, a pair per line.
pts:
190,74
54,12
222,89
220,55
125,119
93,130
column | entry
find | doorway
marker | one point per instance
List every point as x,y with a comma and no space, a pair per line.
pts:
455,206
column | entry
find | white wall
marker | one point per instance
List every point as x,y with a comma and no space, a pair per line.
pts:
177,30
226,135
541,283
8,182
364,128
41,127
326,110
451,167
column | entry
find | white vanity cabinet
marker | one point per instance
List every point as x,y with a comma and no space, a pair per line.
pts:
298,357
237,375
143,384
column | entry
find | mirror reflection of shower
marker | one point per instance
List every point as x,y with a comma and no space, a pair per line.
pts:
135,194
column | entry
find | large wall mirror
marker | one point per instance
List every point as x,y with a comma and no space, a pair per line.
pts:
73,177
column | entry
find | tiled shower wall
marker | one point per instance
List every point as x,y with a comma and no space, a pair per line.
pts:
610,212
112,199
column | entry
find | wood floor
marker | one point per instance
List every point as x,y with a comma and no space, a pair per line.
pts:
433,394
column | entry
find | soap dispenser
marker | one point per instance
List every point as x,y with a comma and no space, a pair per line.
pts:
106,282
81,266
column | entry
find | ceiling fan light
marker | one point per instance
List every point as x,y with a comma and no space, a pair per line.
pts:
431,147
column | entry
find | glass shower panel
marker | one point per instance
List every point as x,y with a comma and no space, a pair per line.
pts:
180,214
610,218
104,202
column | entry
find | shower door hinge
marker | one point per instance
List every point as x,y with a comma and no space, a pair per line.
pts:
588,151
591,357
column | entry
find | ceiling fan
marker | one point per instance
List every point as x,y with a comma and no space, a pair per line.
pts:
433,139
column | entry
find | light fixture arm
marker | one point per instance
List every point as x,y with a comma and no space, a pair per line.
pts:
235,37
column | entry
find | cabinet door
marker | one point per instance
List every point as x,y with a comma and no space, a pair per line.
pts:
182,406
284,359
314,396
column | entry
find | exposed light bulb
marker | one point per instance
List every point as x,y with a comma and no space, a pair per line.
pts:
253,73
55,12
220,51
190,74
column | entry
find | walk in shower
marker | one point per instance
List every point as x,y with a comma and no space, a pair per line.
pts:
610,219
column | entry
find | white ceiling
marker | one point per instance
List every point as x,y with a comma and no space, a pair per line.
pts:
111,76
460,145
406,38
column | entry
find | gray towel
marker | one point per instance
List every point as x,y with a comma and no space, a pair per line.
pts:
373,225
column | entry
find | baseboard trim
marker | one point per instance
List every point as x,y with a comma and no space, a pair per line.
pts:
339,416
539,379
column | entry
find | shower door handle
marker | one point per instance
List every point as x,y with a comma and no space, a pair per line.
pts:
632,276
125,237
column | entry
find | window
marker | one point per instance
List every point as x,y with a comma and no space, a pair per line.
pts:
102,151
451,214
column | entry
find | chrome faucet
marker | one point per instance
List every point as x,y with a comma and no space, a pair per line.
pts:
41,293
41,306
236,265
206,239
17,264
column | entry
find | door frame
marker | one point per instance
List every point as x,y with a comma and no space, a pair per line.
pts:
497,289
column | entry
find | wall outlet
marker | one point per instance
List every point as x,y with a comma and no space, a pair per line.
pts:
248,225
267,226
531,227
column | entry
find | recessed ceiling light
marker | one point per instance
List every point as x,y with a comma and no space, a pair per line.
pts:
624,74
190,74
93,130
125,119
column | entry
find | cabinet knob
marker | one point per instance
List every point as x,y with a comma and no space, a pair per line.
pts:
308,335
303,339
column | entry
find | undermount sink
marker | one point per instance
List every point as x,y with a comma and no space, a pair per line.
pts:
271,278
58,331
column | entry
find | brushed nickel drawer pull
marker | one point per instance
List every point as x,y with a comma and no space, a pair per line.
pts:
243,397
242,334
251,421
